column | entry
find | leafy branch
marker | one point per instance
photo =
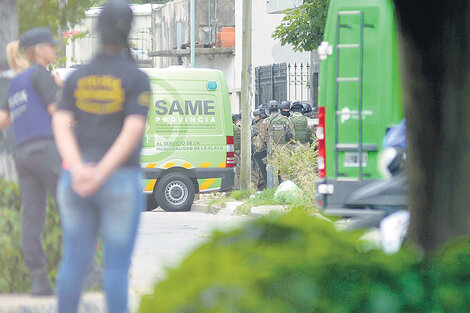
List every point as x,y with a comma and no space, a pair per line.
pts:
303,27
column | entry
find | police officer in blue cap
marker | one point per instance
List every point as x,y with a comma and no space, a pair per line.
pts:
100,191
30,104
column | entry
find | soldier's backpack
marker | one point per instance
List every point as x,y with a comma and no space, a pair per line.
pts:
302,133
277,130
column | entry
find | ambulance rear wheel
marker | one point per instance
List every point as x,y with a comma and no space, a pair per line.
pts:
175,192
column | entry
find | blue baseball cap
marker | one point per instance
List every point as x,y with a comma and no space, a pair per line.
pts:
36,36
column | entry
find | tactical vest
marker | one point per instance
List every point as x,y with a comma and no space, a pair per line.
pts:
236,137
302,133
29,114
277,129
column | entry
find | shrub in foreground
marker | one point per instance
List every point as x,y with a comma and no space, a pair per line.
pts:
13,273
297,263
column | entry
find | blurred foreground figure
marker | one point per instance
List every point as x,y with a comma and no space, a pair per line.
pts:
100,189
31,102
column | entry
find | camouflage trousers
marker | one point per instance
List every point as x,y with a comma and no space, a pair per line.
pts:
236,183
258,172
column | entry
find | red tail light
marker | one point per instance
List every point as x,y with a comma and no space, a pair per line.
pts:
230,159
321,142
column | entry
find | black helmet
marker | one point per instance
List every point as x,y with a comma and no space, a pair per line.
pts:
285,108
263,108
297,106
257,112
114,22
285,105
307,108
273,106
236,117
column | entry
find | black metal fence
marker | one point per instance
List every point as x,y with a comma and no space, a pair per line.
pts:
270,83
298,75
285,81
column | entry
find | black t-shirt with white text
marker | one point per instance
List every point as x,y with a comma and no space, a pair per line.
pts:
101,95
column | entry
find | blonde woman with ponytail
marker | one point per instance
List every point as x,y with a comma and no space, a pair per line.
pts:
16,61
30,104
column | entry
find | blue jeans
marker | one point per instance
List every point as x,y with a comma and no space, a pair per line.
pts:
114,211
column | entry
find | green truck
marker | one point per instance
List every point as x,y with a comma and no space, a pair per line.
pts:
188,141
360,97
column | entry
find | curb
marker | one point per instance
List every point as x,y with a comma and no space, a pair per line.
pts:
200,206
203,207
264,210
24,303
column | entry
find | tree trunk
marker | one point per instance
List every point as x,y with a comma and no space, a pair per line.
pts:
8,33
434,44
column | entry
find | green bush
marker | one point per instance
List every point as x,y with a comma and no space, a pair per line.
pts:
291,263
13,273
298,163
296,263
450,278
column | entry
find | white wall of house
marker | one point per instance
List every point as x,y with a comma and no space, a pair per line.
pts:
267,50
167,17
237,60
81,50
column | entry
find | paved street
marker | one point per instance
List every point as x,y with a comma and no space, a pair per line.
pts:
164,239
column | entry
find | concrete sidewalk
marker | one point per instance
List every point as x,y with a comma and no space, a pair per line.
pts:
24,303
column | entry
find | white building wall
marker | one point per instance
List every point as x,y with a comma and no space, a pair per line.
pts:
81,50
237,60
165,30
267,50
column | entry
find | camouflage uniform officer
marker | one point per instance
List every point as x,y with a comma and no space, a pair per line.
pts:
303,132
285,108
258,173
276,129
236,118
310,114
263,111
306,109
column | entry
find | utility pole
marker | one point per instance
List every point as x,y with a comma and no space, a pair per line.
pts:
193,33
245,108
